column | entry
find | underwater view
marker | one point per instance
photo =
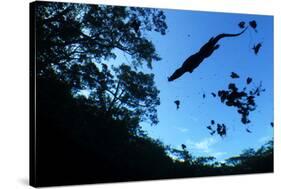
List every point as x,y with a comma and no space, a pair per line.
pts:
131,93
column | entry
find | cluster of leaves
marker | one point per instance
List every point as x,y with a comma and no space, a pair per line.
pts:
253,24
242,100
220,129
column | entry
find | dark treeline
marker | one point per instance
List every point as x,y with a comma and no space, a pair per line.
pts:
97,137
77,143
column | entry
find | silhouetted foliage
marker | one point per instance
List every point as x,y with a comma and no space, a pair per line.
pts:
182,155
74,39
69,34
234,75
256,48
248,130
220,129
249,80
177,102
78,143
253,24
92,138
243,100
257,161
88,111
204,95
203,160
241,24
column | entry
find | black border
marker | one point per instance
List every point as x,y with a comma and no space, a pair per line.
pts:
32,96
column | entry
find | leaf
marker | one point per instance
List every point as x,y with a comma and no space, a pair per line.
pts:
241,24
183,146
256,48
253,24
177,102
204,96
234,75
249,80
249,131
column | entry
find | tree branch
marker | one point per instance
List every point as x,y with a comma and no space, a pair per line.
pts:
115,96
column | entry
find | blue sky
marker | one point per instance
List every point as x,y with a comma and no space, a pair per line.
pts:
187,32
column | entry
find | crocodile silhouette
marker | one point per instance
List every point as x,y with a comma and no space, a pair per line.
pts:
205,51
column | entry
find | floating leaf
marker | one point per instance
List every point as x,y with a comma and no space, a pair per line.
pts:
249,80
253,24
241,24
177,102
214,94
248,131
256,48
234,75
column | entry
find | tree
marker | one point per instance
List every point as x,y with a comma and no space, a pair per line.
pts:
182,155
74,41
203,160
252,161
74,33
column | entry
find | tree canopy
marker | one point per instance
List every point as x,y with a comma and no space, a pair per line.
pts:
75,43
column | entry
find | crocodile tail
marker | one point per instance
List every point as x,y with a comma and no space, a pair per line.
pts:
220,36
